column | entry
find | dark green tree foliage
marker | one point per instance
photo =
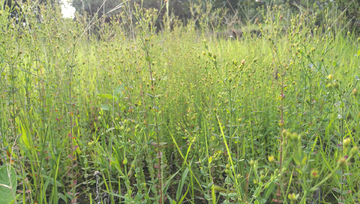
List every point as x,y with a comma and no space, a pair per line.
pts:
15,8
92,6
245,9
177,7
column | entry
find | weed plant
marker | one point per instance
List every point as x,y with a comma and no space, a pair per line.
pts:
134,116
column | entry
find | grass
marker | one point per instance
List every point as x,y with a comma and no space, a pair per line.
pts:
178,116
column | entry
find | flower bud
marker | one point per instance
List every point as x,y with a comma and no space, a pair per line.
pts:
293,197
346,142
252,162
354,151
342,162
286,134
354,92
294,137
329,86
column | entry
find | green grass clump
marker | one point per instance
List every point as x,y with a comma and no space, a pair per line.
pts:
95,112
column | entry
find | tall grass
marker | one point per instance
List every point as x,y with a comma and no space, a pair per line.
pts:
135,116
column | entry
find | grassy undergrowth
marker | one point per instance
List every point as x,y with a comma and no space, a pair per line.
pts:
134,116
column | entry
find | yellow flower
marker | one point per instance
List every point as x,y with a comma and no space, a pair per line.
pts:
271,158
330,76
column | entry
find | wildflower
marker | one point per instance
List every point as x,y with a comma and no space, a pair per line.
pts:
282,96
271,158
314,173
293,197
330,76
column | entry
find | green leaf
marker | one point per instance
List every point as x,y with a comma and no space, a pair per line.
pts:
17,197
7,185
171,200
118,91
358,53
24,137
184,196
269,190
296,159
107,96
232,194
168,181
72,66
104,107
60,195
150,95
181,185
304,160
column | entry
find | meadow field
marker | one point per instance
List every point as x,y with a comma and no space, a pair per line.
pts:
125,112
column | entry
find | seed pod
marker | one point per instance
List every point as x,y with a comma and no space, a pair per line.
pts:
354,151
354,92
346,142
342,162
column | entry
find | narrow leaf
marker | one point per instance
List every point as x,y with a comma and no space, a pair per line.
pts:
182,182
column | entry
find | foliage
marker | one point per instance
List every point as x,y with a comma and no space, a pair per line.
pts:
244,10
182,115
93,6
8,184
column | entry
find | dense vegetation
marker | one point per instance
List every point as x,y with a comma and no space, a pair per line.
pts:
242,11
130,113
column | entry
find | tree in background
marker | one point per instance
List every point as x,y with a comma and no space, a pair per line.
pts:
16,8
245,10
92,6
177,7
